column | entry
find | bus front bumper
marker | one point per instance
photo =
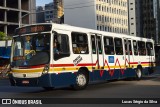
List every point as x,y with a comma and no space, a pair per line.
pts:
43,81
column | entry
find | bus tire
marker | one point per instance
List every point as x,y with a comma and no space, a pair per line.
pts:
81,80
138,73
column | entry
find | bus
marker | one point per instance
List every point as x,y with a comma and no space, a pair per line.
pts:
53,55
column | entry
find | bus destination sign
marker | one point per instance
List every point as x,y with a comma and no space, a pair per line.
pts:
33,29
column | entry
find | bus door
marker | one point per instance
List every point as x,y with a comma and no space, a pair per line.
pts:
97,56
128,56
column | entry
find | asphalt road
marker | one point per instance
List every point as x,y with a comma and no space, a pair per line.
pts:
148,87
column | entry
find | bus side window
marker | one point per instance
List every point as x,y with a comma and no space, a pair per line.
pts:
118,46
79,43
62,48
100,44
141,48
108,45
149,47
128,52
135,47
93,40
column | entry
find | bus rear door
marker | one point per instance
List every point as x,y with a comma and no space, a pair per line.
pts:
97,57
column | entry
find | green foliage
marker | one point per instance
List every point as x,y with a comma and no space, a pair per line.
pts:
3,36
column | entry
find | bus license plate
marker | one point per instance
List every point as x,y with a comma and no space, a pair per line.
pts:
25,82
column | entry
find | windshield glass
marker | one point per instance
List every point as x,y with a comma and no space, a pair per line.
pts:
31,50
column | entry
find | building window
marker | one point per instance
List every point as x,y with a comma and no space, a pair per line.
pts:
97,27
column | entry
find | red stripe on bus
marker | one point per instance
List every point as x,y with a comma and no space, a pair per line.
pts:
36,66
90,64
68,65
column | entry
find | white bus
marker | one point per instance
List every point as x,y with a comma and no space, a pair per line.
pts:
56,55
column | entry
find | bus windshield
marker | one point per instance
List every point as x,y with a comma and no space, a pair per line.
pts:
31,50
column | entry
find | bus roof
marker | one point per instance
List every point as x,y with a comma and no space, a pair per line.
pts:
86,30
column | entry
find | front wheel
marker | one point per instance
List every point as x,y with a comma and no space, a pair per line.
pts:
81,81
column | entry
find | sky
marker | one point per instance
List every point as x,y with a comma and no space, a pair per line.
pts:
42,2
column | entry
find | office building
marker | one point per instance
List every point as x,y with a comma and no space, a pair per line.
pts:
40,17
135,18
58,11
151,22
15,12
104,15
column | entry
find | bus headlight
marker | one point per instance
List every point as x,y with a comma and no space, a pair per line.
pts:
46,69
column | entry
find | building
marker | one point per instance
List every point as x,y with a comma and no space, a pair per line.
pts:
49,12
151,22
40,17
53,11
104,15
144,19
135,18
13,12
58,11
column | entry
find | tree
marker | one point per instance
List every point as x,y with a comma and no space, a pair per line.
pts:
4,37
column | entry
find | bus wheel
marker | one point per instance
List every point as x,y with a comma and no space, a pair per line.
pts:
81,81
138,73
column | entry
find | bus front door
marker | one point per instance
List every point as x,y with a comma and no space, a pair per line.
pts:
97,57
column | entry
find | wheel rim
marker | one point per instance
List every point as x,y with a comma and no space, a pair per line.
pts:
139,74
81,80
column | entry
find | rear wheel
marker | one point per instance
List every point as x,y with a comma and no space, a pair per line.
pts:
81,80
138,73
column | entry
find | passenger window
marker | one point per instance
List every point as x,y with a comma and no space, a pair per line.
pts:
135,47
141,48
93,40
128,52
79,43
60,46
99,44
118,46
108,46
150,51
